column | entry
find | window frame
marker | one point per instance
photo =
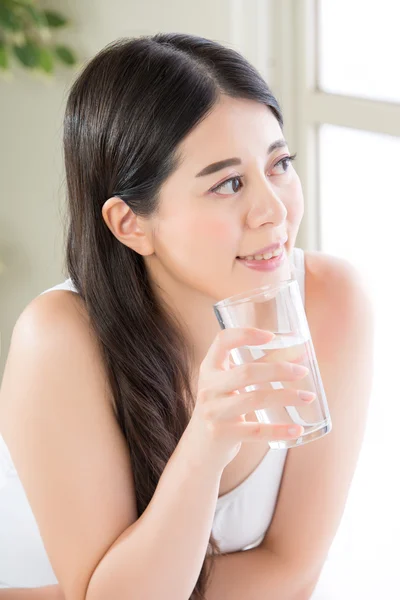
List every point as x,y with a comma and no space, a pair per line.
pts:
306,107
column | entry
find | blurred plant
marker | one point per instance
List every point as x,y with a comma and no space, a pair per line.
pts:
27,33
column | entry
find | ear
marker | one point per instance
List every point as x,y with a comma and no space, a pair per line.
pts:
127,227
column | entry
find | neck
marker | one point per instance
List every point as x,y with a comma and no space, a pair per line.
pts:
196,316
193,310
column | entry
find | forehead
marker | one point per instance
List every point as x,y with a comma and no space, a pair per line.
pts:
234,127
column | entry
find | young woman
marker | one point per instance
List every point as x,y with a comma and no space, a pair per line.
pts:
118,406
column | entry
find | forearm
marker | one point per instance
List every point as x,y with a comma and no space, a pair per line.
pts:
161,554
257,574
50,592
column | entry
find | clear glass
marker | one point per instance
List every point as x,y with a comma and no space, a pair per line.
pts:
358,48
279,308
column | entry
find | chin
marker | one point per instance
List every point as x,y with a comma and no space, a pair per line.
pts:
247,279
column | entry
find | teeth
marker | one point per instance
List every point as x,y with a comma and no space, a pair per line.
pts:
265,256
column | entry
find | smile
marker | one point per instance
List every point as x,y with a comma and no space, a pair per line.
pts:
264,262
265,256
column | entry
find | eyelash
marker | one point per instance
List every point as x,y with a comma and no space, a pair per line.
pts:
288,159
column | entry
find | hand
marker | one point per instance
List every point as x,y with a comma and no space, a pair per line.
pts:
218,426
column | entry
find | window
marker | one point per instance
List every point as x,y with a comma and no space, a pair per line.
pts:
359,48
338,82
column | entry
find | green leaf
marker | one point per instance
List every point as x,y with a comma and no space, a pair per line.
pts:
65,55
55,19
37,16
46,60
28,54
3,56
8,20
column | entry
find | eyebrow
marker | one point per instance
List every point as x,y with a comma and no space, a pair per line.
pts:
228,162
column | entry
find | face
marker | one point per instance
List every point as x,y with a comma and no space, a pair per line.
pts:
206,221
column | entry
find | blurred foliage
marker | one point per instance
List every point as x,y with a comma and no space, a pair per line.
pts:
27,34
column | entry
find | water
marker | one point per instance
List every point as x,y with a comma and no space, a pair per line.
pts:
299,349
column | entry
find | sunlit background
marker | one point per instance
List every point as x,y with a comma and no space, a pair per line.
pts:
333,65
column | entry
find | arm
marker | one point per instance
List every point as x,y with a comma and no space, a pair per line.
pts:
58,422
256,574
49,592
318,475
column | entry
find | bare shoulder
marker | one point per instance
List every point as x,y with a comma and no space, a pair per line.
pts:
327,274
54,313
57,418
337,300
54,326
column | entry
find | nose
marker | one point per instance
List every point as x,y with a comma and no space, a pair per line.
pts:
266,208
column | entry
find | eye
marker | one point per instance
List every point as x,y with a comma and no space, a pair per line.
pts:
283,164
231,180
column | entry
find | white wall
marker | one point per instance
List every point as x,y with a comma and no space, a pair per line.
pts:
31,112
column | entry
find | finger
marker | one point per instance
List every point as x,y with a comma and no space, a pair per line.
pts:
235,337
249,431
236,405
258,374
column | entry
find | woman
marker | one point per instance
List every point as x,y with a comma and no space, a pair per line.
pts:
125,428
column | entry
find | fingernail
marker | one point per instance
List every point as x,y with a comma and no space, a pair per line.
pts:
295,430
306,396
299,369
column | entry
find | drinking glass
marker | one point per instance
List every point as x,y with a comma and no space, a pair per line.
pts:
279,308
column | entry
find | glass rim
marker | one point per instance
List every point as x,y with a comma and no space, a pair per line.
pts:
254,293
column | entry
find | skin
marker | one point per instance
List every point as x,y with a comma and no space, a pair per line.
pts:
190,248
195,228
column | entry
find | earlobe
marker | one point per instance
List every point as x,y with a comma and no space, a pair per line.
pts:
126,226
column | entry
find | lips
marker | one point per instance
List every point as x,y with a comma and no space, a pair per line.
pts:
263,264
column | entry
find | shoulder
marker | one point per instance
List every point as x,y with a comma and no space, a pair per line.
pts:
339,308
53,335
51,314
57,320
327,274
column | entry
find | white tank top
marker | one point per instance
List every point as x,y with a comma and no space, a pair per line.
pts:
241,519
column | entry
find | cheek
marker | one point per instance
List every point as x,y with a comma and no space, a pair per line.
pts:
197,240
216,231
294,201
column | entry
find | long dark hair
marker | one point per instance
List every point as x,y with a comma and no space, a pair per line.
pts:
132,105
